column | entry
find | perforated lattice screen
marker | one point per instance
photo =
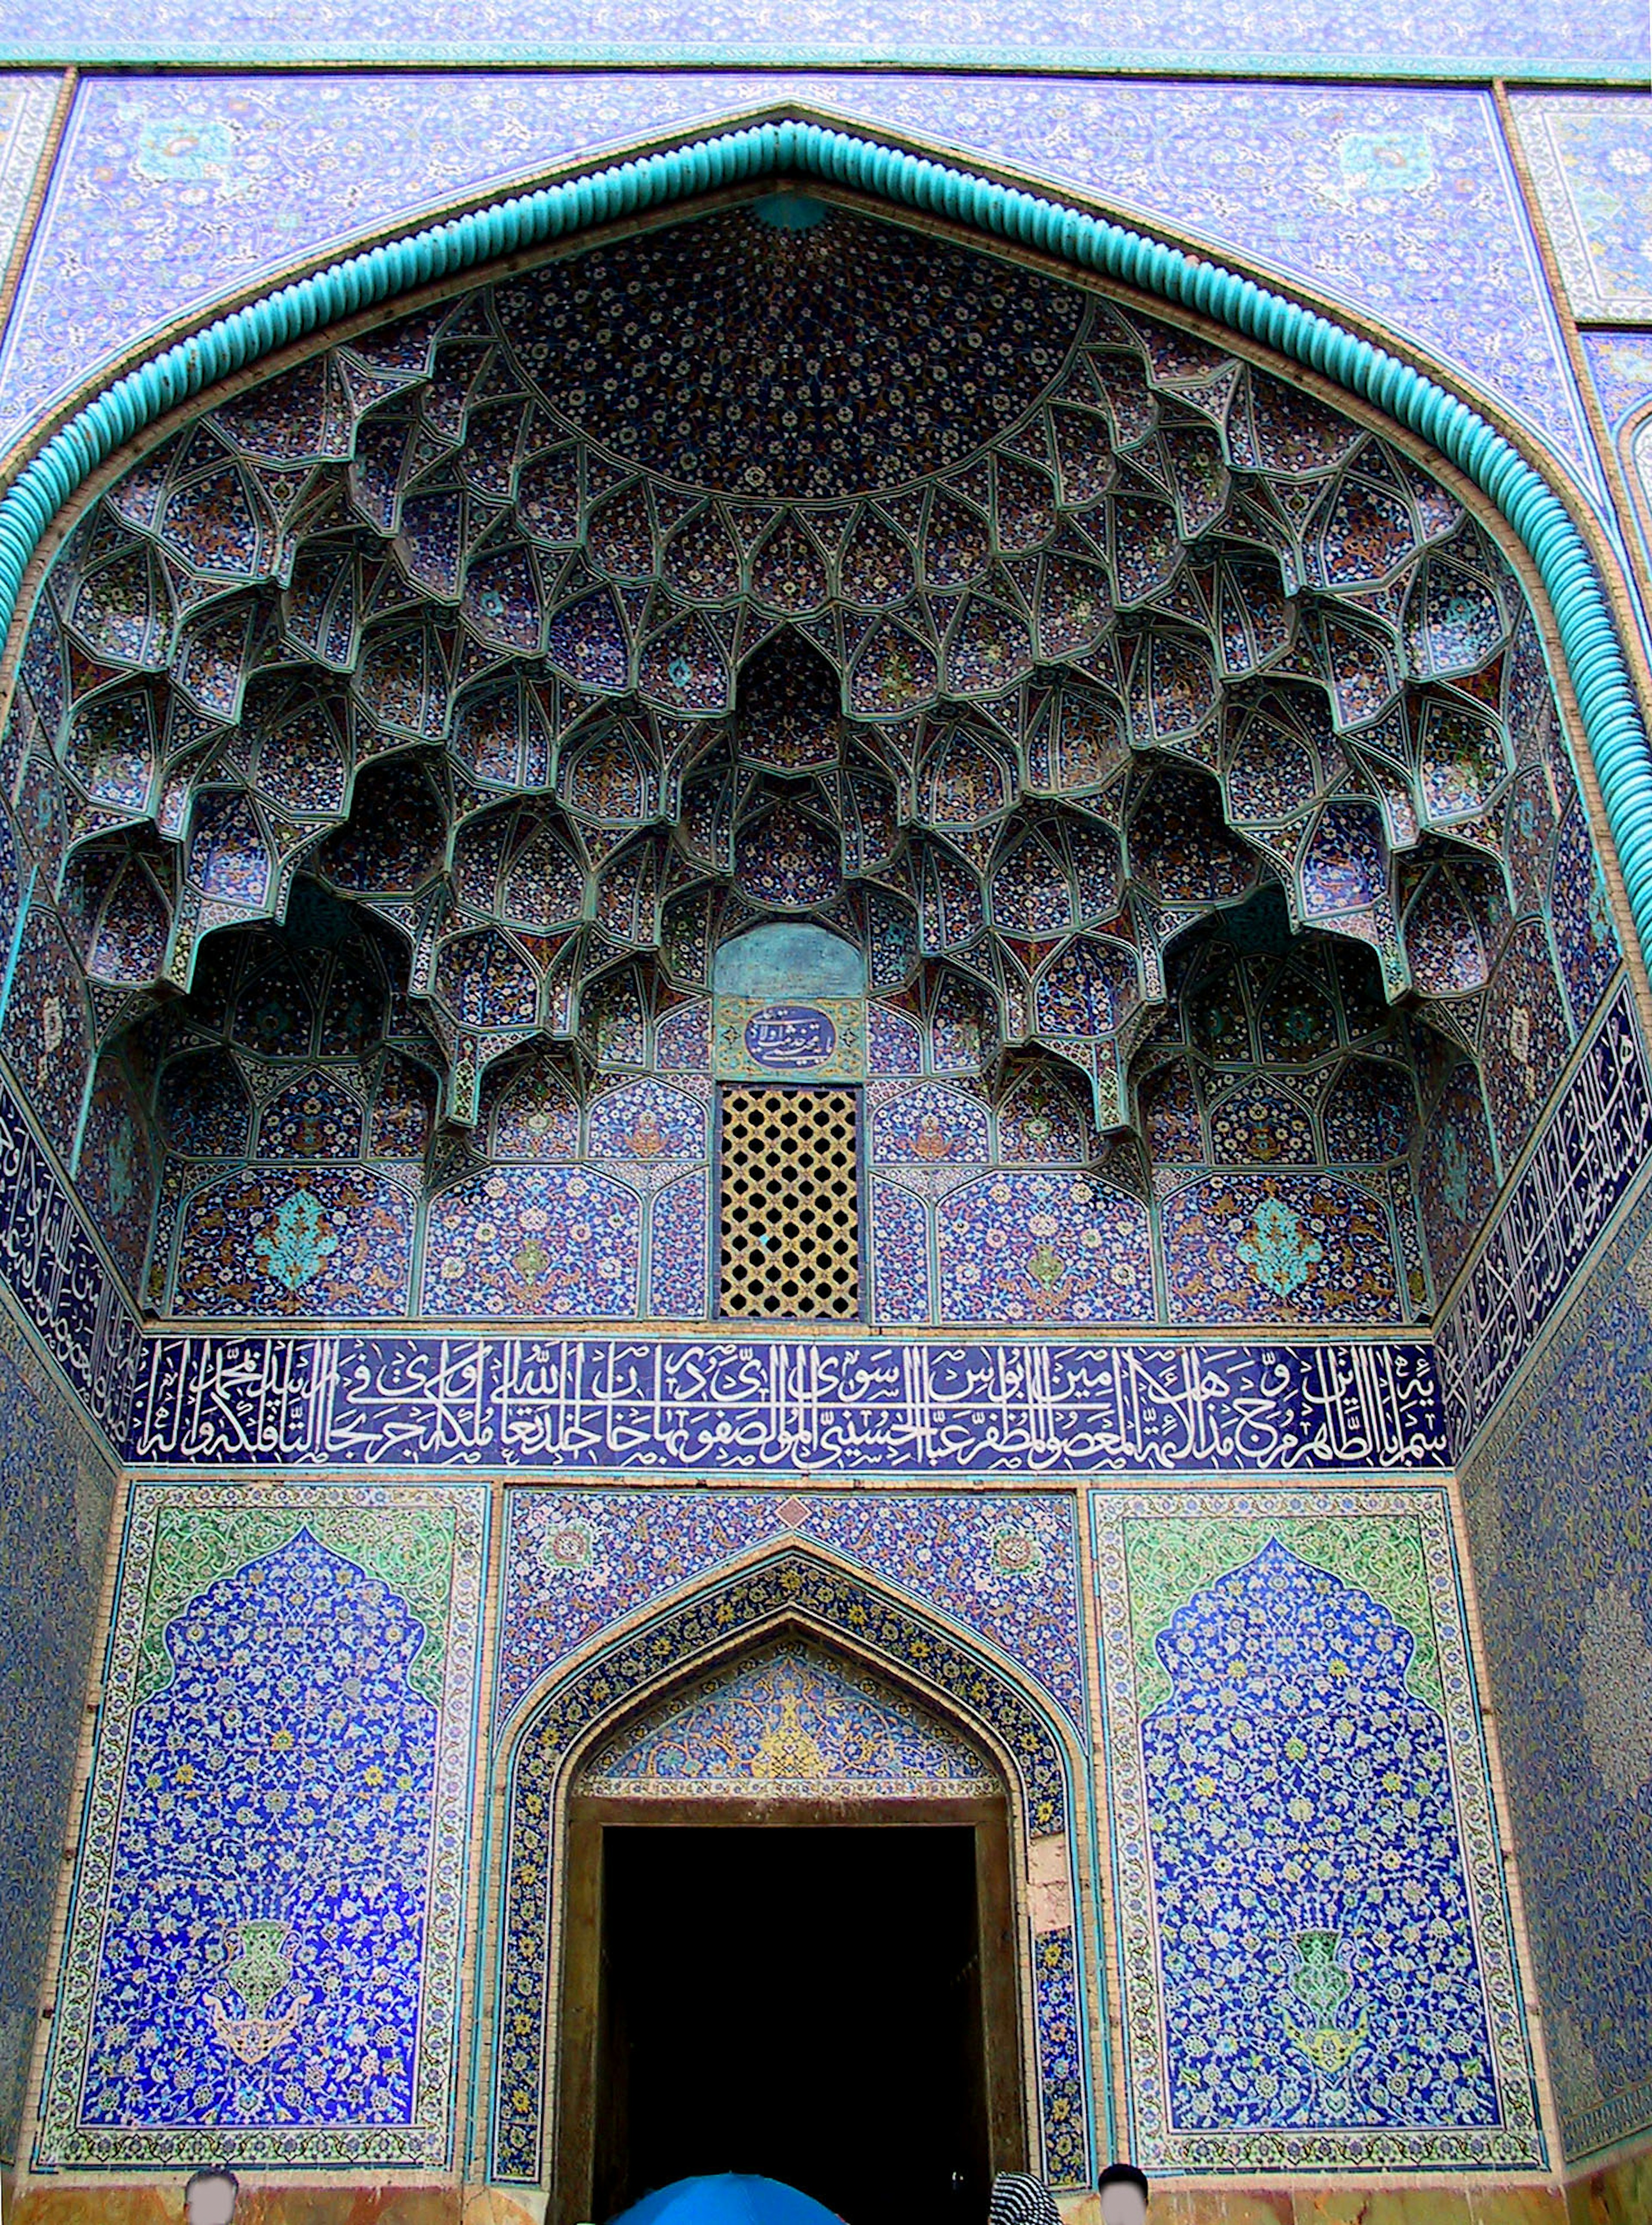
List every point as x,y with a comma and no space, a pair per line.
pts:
791,1218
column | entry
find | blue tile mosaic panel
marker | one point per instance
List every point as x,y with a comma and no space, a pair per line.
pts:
55,1486
266,1242
1397,204
51,1268
680,1250
115,1176
263,1959
1584,933
1620,365
1262,1247
1620,369
902,1280
1467,37
1043,1248
1555,1501
1589,155
1457,1176
1319,1971
1002,1567
47,1031
1588,1157
27,101
822,1408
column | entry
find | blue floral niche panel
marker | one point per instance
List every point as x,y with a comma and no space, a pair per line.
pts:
967,1605
1318,1967
262,1960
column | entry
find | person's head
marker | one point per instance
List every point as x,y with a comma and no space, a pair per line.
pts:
209,2197
1124,2194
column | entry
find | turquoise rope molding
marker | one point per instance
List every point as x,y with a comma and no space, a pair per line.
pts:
1616,738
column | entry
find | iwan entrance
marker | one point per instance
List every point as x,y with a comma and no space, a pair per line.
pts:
791,1976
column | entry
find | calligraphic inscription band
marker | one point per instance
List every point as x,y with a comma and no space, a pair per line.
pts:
1597,1140
787,1407
52,1267
824,1040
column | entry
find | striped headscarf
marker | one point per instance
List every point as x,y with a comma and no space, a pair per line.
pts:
1018,2199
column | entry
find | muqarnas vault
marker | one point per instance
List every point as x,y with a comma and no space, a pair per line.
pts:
795,965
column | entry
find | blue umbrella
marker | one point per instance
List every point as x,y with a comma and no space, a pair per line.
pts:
727,2197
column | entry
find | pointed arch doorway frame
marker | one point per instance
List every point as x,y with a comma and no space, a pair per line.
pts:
546,2061
833,1926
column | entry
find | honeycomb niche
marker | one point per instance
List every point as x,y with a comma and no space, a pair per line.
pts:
1171,753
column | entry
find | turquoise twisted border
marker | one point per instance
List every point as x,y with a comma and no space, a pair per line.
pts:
1616,738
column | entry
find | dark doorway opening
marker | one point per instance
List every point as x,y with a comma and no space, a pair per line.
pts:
803,2002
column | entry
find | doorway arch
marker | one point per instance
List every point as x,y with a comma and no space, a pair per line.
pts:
803,1599
788,1947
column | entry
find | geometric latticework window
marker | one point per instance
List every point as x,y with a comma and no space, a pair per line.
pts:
791,1206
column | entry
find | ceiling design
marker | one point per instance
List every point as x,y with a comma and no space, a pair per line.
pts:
785,563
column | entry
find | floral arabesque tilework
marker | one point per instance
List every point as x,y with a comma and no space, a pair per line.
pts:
1462,38
1001,1565
314,1117
1585,931
1397,201
789,1720
1620,365
645,1121
679,1249
264,1955
306,1241
900,1245
1525,1036
541,1241
1043,1248
115,1179
930,1125
1318,1966
45,1035
1591,158
1457,1176
1278,1247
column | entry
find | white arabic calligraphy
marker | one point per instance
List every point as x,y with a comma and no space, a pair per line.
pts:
808,1407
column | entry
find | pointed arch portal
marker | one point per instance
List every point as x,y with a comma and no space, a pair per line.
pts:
787,1912
1140,762
846,1742
1122,715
